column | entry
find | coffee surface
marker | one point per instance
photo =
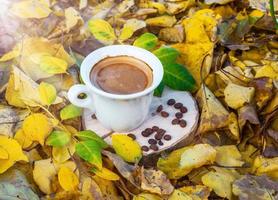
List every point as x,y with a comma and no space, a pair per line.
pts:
121,75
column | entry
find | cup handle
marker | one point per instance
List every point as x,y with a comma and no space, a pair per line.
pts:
76,90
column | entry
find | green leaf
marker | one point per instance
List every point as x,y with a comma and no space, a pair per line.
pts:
177,77
90,150
58,139
47,93
102,30
166,54
70,111
90,135
146,41
159,90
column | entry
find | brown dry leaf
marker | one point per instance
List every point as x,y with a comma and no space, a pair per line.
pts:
264,90
173,34
179,6
255,188
108,189
214,115
247,113
72,18
156,182
90,189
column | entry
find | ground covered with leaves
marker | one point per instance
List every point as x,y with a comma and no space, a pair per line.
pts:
225,52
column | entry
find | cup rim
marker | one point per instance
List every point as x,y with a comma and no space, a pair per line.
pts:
121,50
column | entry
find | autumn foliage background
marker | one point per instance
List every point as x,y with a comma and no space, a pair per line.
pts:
225,52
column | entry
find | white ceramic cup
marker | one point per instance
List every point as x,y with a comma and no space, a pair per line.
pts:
117,112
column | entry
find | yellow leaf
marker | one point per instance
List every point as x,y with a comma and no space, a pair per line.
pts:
233,126
236,96
197,156
180,162
10,55
22,139
102,30
228,155
47,93
82,4
14,151
62,154
126,147
37,127
72,18
21,90
162,21
106,174
40,47
256,14
197,51
220,181
44,172
159,6
130,27
267,71
30,9
179,195
53,65
268,166
67,179
4,154
108,189
146,196
196,192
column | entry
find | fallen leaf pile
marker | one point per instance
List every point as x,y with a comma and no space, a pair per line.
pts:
225,52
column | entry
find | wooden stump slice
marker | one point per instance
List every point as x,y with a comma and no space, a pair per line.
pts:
176,132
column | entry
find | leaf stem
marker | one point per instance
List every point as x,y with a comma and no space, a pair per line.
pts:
272,12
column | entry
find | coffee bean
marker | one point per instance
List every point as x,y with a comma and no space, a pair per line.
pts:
179,115
155,128
171,102
154,147
132,136
159,108
164,114
149,130
160,143
145,148
158,136
178,105
167,137
152,141
183,123
175,121
183,109
94,116
161,131
145,134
